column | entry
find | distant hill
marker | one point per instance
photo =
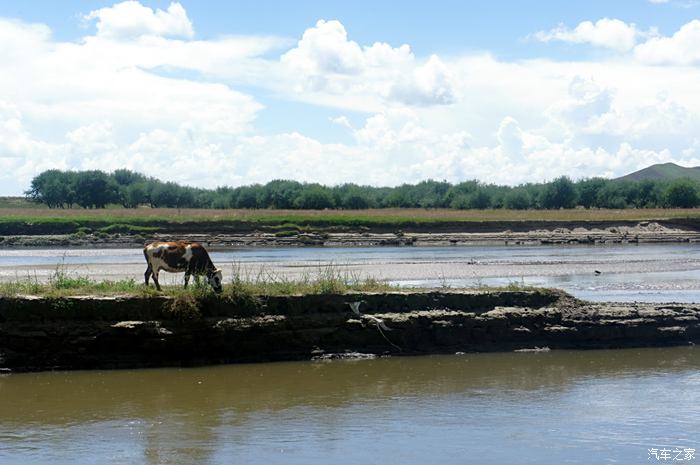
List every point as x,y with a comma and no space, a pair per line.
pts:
663,171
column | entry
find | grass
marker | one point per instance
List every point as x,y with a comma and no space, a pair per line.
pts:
291,222
18,202
328,280
244,288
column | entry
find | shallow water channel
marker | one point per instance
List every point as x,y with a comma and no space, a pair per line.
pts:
587,407
645,272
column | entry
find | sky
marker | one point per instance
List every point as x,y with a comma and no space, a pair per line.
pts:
376,93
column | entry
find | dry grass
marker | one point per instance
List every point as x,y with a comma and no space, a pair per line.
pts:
390,215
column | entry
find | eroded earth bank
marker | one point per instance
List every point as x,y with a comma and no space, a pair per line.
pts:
90,332
241,234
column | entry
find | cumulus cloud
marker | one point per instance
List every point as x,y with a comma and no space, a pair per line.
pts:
131,19
647,47
326,61
325,48
608,33
588,106
142,93
681,48
79,104
429,84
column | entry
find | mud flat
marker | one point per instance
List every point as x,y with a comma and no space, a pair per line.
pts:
87,332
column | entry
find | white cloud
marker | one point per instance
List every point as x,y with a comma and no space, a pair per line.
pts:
429,84
342,121
325,49
647,47
133,96
681,48
510,137
588,107
131,19
325,61
608,33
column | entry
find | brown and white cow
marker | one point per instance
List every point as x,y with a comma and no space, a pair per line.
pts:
179,256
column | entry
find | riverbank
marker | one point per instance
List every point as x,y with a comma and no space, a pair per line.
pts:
508,233
389,227
86,332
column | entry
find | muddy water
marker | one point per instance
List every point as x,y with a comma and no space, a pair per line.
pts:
593,407
653,272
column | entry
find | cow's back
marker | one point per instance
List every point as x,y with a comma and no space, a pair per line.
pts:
169,256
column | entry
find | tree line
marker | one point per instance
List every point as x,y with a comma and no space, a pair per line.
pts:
97,189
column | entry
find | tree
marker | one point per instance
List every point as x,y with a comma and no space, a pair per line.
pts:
399,197
279,194
356,201
429,194
165,195
682,193
95,189
352,197
133,195
185,197
125,177
612,195
456,195
588,191
559,193
246,197
649,194
314,197
479,200
52,187
517,199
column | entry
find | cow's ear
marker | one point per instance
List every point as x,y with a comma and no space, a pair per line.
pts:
218,270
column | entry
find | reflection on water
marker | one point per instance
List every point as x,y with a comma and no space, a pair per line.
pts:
554,407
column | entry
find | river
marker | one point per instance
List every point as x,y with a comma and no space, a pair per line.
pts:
587,407
616,272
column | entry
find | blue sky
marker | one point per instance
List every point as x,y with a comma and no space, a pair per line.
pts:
214,93
430,27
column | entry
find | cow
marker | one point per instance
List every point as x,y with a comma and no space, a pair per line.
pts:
179,256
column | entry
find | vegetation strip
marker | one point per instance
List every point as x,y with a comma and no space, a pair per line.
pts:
328,279
97,189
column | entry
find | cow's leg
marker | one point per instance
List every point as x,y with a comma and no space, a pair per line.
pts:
155,278
187,278
148,273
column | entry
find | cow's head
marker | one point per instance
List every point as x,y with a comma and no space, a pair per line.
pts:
215,280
